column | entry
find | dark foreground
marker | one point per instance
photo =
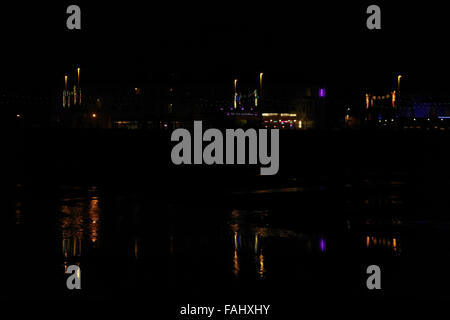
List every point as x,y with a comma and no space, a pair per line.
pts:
148,234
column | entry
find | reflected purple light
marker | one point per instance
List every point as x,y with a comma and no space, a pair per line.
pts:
323,245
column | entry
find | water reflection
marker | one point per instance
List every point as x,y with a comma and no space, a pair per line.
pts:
19,215
217,243
322,244
18,207
94,215
236,268
79,226
253,238
262,269
259,235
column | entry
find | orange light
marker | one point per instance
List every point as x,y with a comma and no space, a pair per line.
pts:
94,115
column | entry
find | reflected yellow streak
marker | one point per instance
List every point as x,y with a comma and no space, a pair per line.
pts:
236,268
262,269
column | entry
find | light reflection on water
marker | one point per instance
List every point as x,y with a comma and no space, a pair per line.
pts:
255,244
250,238
80,220
255,247
79,226
19,215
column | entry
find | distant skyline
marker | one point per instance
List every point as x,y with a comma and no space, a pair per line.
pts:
309,43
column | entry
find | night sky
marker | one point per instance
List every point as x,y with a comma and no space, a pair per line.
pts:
131,42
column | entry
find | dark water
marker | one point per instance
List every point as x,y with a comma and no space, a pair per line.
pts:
266,244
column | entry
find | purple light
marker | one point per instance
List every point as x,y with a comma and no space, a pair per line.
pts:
322,92
323,245
228,113
242,109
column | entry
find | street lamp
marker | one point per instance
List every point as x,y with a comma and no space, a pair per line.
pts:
235,93
260,81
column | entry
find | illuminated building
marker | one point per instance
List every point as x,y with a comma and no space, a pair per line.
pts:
381,107
71,97
281,121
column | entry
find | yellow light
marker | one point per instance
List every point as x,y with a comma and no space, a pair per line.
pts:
270,114
94,115
289,115
260,81
261,265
